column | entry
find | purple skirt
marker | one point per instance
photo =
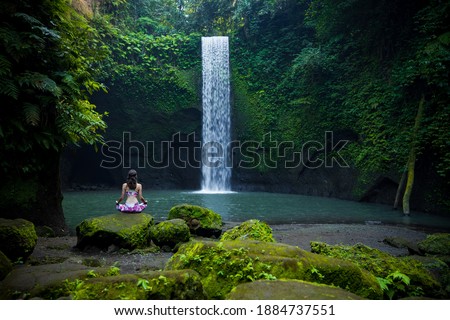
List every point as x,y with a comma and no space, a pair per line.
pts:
137,207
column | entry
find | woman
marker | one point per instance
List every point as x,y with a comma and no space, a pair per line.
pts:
132,189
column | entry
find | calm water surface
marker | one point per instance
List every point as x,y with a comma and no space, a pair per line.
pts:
272,208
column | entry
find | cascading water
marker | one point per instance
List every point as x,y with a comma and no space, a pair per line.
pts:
216,173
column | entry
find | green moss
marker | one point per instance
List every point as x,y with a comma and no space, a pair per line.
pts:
201,221
155,285
22,193
127,231
223,265
250,230
17,238
382,264
289,290
437,244
170,233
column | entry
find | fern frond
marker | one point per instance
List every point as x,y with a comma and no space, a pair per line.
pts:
8,88
81,122
5,66
48,32
12,41
28,19
69,82
39,81
32,113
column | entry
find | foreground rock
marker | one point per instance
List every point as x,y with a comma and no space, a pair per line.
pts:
398,242
17,238
170,233
201,221
436,244
156,285
250,230
43,281
75,281
288,290
224,265
128,231
384,265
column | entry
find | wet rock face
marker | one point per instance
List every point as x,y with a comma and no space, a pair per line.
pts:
17,238
127,231
201,221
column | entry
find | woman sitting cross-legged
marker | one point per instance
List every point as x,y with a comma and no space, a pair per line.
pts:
133,191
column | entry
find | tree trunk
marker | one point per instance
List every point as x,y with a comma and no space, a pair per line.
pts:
412,158
49,206
401,185
36,197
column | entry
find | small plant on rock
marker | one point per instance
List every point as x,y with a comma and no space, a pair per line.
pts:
395,284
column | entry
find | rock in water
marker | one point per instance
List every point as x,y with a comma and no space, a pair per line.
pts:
170,233
201,221
17,238
128,231
289,290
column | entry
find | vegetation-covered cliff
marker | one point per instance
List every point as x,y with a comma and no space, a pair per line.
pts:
373,73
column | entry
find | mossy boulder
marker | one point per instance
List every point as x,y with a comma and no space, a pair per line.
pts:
250,230
436,244
288,290
438,267
155,285
398,242
5,266
45,232
127,231
44,281
17,238
201,221
382,264
170,233
224,265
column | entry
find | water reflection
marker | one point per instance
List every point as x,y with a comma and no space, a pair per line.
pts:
220,202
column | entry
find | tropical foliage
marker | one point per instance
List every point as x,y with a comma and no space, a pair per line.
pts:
47,51
373,72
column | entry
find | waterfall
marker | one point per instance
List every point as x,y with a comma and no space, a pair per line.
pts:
216,174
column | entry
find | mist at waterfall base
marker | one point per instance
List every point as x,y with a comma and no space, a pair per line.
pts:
273,208
216,114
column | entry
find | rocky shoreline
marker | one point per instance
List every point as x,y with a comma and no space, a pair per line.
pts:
60,268
59,249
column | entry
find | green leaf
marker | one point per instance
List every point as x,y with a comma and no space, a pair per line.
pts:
32,113
39,81
8,88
